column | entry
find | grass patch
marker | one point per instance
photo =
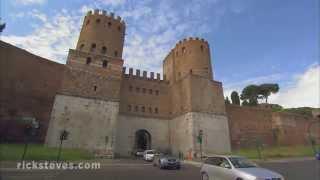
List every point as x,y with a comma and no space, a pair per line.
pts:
40,152
277,152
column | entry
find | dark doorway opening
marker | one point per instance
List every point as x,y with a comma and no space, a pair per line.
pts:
142,140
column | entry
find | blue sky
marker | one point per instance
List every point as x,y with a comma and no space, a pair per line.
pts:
252,41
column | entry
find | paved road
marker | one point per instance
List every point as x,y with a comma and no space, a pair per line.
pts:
297,170
303,170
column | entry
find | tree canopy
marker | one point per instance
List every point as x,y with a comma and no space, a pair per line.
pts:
265,90
226,100
250,94
235,98
253,92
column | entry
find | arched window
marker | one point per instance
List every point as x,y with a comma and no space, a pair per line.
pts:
119,28
88,61
109,24
143,109
136,108
95,88
150,91
98,21
156,110
143,90
104,63
104,50
130,88
129,108
201,47
137,89
115,53
88,21
157,92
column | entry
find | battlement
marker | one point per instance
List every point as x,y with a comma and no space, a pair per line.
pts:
110,15
143,75
187,40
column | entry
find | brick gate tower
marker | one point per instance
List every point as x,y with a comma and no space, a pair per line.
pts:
87,104
107,110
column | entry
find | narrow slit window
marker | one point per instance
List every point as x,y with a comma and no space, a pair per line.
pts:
156,110
88,61
136,108
129,108
104,50
104,63
93,47
115,53
183,50
81,46
95,88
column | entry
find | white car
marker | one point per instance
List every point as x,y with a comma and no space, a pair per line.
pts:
234,168
148,155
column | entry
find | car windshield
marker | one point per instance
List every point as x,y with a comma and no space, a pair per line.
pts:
239,162
150,152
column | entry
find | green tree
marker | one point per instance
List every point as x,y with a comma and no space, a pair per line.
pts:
265,90
250,94
226,100
245,103
235,98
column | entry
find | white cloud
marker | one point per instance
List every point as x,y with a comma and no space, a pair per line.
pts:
29,2
113,2
152,30
52,38
304,92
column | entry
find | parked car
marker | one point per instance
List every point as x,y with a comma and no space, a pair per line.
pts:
235,168
139,153
148,155
166,162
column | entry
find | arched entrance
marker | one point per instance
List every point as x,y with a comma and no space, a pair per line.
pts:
142,140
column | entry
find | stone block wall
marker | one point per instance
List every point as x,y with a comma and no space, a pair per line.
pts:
89,121
184,130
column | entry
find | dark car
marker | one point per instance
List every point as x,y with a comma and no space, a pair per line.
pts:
166,162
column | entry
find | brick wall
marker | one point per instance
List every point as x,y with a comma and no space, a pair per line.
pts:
28,86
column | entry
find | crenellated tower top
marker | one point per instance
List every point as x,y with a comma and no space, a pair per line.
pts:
102,33
189,56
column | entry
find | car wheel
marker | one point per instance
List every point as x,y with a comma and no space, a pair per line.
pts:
204,176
